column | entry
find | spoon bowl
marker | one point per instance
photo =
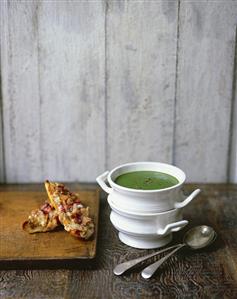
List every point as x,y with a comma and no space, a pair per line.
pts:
199,237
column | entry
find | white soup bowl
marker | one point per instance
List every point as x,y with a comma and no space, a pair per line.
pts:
146,201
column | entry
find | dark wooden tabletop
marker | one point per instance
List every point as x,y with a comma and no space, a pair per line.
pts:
210,273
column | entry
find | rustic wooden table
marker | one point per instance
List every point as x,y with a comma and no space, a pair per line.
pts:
211,273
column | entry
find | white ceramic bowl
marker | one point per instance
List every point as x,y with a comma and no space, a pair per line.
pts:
146,230
144,242
149,201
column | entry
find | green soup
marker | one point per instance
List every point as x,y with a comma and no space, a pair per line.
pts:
146,180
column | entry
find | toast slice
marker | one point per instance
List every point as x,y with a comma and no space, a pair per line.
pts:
73,215
41,220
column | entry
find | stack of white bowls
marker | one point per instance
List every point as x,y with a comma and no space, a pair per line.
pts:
146,218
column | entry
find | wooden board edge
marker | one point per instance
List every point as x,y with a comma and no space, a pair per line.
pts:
55,262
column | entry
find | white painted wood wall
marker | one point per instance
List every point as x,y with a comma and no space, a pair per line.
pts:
88,85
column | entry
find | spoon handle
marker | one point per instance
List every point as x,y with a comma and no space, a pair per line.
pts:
121,268
151,269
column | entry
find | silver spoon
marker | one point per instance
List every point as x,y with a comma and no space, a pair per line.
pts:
123,267
196,238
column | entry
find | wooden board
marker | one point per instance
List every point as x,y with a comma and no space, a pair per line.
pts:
18,245
210,273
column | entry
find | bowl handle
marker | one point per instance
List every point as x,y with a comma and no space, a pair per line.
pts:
182,204
172,227
101,181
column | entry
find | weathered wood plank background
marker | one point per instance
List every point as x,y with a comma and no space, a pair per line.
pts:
88,85
204,88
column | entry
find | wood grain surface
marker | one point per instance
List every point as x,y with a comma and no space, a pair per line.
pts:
71,65
20,96
232,171
2,166
210,273
204,88
115,81
140,80
53,89
17,245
